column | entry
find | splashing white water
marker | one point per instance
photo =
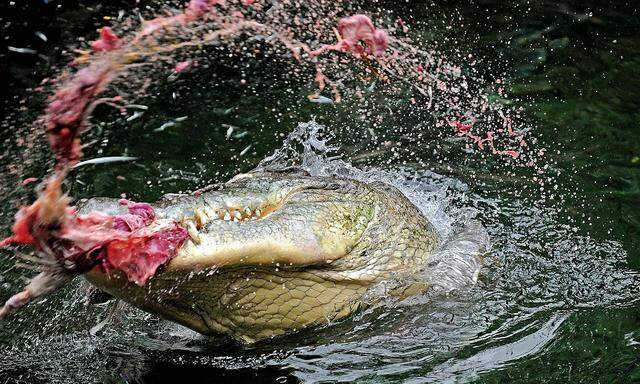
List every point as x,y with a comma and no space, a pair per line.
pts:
456,263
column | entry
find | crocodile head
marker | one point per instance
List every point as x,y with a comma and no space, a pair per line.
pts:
271,253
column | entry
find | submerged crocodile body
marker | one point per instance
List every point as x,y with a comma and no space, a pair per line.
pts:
272,253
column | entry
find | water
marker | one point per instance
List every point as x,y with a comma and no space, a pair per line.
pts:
557,296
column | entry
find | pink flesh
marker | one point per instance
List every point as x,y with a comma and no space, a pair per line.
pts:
464,129
139,256
108,41
66,112
120,242
357,28
142,252
86,238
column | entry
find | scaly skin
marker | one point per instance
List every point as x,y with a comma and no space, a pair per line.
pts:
306,252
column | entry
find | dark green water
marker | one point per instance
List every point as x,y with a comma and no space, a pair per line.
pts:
558,298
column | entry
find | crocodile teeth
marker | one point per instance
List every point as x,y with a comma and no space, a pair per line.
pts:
201,217
204,215
210,211
193,232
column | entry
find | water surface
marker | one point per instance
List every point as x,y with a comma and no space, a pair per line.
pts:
557,297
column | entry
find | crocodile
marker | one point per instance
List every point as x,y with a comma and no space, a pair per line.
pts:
270,253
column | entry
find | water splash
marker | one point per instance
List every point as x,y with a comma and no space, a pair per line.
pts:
455,265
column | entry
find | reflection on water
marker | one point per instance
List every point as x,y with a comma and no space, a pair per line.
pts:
556,298
496,357
536,276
